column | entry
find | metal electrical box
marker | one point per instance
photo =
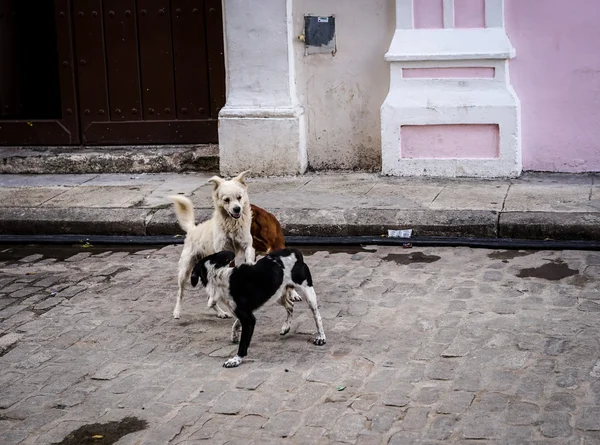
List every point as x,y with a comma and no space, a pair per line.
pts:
319,34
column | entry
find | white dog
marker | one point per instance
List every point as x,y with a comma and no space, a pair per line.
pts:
228,229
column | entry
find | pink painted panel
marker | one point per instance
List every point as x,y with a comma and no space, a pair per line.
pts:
556,75
466,141
428,13
449,73
469,13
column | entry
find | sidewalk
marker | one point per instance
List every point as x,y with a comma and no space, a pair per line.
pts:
535,206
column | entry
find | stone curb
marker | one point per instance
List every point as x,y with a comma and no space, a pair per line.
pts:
363,222
552,225
312,222
73,220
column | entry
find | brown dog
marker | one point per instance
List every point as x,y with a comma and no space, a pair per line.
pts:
266,232
267,237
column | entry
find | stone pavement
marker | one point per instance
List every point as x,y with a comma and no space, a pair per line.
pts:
425,346
535,206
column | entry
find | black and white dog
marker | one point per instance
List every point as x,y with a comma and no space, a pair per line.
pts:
245,288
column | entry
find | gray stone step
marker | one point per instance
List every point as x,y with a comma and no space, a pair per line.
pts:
110,159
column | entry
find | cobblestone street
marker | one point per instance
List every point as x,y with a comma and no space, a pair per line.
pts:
424,346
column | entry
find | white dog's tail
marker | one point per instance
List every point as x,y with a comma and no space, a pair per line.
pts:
184,209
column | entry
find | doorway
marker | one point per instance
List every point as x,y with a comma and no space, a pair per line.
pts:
110,72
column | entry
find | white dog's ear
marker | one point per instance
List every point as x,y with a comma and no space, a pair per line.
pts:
241,178
217,181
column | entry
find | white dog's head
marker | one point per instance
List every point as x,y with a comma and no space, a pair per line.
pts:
231,196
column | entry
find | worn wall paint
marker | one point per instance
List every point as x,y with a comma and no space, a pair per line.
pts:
557,76
256,47
342,94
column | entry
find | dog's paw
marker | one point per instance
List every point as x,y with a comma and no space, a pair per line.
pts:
284,330
176,314
233,362
224,315
235,339
294,296
319,341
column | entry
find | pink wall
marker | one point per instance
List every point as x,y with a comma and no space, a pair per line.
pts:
481,72
469,13
556,75
428,14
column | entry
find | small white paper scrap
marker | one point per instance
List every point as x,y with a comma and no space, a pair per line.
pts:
407,233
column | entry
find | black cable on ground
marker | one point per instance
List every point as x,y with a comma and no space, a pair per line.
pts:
486,243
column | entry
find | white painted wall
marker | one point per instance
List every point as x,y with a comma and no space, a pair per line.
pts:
257,54
342,94
261,126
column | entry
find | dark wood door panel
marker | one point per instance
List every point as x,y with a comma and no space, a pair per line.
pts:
10,104
66,70
216,59
36,133
152,132
163,93
91,61
126,72
46,113
122,60
156,59
190,57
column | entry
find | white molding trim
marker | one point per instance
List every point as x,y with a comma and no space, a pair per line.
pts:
262,112
404,14
448,11
494,13
449,44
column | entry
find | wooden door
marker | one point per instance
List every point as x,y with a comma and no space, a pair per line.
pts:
127,72
149,71
37,75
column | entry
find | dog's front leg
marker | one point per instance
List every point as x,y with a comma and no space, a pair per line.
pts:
212,304
235,331
249,252
219,244
245,254
292,295
308,293
288,305
248,322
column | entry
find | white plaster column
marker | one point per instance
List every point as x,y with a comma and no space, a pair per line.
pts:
261,127
450,89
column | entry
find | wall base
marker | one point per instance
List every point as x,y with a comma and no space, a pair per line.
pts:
462,106
267,142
